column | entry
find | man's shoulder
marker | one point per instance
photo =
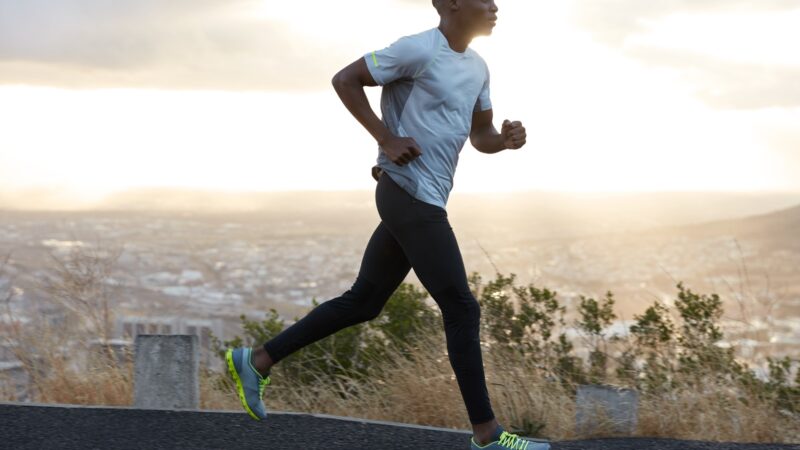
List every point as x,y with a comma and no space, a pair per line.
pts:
424,40
429,34
418,48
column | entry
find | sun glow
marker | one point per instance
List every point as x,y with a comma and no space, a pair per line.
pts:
760,38
597,120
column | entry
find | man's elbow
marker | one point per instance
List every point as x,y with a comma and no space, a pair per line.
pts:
343,80
336,81
341,77
476,143
477,138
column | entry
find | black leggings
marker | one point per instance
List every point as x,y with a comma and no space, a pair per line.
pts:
414,234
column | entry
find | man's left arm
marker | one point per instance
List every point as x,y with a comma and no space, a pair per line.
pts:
485,138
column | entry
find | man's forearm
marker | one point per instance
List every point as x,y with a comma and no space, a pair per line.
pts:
355,100
488,141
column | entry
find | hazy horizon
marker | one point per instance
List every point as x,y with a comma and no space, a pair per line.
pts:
209,200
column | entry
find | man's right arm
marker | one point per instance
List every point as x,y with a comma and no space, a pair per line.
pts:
349,85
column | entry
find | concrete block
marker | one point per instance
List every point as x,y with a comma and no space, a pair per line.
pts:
166,372
606,407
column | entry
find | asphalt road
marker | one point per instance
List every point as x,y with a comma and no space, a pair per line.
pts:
63,427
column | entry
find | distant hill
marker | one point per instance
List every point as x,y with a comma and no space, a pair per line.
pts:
537,214
215,201
781,228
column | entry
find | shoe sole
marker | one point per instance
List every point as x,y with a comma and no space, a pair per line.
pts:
238,382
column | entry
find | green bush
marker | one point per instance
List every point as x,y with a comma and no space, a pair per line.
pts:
355,352
659,355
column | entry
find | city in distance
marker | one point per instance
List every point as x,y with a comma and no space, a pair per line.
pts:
210,257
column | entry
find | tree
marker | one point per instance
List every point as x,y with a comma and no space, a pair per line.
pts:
82,284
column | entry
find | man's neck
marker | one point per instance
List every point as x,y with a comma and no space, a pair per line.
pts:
458,41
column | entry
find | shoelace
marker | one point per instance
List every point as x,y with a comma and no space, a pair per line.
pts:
261,385
513,441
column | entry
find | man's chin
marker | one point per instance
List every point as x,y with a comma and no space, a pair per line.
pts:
485,31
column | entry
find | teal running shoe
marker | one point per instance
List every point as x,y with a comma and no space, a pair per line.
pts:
508,441
249,383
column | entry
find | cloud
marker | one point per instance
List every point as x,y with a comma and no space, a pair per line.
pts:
176,44
720,83
611,21
729,85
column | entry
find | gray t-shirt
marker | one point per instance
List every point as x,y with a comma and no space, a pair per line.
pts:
429,93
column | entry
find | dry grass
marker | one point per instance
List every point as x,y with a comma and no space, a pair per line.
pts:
62,368
420,390
109,385
423,390
715,414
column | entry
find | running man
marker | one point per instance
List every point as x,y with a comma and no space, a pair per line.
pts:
435,96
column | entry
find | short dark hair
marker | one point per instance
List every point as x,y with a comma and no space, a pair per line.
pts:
438,4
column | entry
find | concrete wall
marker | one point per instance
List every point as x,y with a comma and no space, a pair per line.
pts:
166,372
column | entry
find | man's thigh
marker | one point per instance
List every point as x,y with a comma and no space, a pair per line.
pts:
384,263
424,233
432,249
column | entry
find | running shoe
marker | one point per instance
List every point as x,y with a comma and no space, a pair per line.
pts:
508,441
249,383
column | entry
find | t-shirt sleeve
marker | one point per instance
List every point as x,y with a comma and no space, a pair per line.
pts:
484,102
405,58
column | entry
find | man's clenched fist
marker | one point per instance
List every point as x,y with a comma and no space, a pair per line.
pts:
513,134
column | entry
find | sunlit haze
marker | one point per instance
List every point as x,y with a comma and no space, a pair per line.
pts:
626,96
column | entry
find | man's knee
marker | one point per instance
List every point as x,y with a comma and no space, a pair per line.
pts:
367,300
458,305
473,312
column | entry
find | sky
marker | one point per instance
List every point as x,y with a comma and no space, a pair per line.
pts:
98,96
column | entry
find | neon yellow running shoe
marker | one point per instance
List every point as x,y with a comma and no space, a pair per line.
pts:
249,383
506,441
